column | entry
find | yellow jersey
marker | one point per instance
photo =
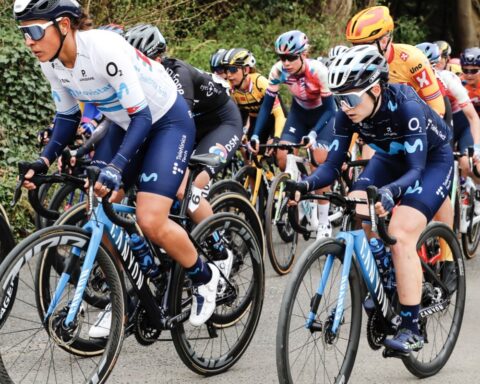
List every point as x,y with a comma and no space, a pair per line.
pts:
251,100
408,65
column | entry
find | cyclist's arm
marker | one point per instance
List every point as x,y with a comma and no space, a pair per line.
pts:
266,108
130,95
426,84
277,111
187,89
327,172
329,112
474,121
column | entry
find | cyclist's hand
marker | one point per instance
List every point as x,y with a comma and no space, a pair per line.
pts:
385,203
295,190
253,144
310,140
275,141
86,129
38,167
110,179
43,136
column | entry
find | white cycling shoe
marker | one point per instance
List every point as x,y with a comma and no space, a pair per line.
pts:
101,327
204,299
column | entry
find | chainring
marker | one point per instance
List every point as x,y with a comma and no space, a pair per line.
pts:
144,333
375,336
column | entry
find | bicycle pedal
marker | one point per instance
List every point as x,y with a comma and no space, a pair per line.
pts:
388,352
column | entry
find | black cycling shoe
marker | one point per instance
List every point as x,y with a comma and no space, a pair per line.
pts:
405,341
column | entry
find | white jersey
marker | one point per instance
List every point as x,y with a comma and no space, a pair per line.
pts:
114,76
456,92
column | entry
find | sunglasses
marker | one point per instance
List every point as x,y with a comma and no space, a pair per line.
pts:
351,100
470,71
289,58
36,32
220,70
232,69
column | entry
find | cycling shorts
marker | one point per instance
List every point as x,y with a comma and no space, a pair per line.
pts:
428,193
160,164
461,132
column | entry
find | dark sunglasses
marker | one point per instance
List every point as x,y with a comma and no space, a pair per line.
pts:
218,70
36,32
232,69
470,71
289,58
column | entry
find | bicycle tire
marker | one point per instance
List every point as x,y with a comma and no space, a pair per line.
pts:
70,359
415,362
241,206
194,343
223,186
294,311
7,241
281,239
57,203
471,239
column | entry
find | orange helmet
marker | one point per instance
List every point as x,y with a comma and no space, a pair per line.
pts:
369,25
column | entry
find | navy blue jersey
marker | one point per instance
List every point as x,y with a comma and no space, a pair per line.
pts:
404,129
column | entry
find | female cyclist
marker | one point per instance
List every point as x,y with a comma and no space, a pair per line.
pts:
152,136
412,165
312,105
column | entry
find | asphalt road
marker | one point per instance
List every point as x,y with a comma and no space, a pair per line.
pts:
160,364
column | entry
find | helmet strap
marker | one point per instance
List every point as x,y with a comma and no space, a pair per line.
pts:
62,40
377,42
301,66
244,73
376,102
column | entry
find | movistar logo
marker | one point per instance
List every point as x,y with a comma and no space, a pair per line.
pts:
413,148
123,87
334,145
145,179
392,106
416,188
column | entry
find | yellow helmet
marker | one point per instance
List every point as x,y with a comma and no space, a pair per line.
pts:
369,25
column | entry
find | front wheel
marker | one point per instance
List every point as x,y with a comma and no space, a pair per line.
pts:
441,311
317,354
471,239
35,348
219,343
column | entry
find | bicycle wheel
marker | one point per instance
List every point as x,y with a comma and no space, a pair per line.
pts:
45,194
223,186
37,349
471,239
65,198
281,238
443,311
240,206
218,344
317,355
7,242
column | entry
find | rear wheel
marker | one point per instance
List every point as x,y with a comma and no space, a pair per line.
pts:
442,309
471,239
281,238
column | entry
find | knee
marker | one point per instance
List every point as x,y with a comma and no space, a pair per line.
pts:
152,225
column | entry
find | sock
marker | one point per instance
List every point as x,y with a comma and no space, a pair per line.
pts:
322,210
199,272
409,315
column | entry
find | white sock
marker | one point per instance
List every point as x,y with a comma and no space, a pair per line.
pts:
322,210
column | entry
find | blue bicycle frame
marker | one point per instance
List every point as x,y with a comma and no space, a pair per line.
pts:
97,226
354,241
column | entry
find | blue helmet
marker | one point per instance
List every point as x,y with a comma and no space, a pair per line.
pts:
45,9
113,28
471,56
431,50
216,59
291,43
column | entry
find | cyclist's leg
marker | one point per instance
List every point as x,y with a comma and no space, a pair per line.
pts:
166,159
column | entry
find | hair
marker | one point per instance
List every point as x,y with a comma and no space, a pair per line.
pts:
83,23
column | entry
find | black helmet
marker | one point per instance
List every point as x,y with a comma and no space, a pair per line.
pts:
147,39
45,9
357,67
216,59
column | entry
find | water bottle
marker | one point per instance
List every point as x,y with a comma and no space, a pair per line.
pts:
216,244
142,253
382,258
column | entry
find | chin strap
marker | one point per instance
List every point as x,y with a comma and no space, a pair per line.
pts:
244,73
383,51
301,66
376,101
62,40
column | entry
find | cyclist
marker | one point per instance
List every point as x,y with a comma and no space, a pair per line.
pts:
334,52
152,135
446,61
407,64
248,91
217,118
216,66
470,61
412,165
310,117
